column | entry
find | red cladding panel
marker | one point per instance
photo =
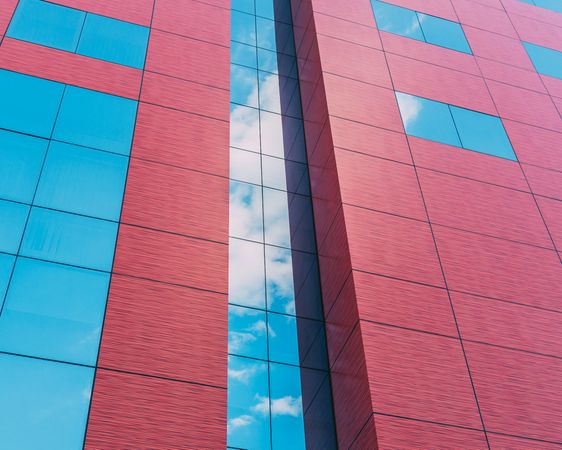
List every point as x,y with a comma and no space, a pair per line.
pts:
441,84
519,393
483,208
536,32
6,11
500,269
480,16
133,411
379,184
367,438
171,258
185,140
554,87
166,331
543,181
136,11
552,213
498,71
439,8
500,442
517,7
193,18
508,324
176,200
356,11
466,163
189,59
349,31
407,378
388,245
70,68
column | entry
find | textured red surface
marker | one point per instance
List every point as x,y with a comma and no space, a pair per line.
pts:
136,11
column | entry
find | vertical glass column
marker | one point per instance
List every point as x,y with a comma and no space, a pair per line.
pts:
277,375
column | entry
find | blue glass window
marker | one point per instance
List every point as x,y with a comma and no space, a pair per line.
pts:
96,120
280,288
444,33
397,20
21,158
6,264
546,60
276,217
243,28
54,311
246,279
246,213
246,6
283,342
69,239
245,166
553,5
245,127
247,332
482,133
44,403
81,180
243,54
244,85
114,40
427,119
12,222
47,24
29,104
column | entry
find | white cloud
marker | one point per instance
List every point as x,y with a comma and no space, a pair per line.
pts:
239,422
410,107
284,406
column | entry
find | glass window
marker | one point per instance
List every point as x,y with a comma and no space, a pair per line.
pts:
243,28
69,239
245,166
427,119
264,8
96,120
29,104
397,20
245,127
114,41
244,85
44,403
242,54
47,24
243,5
280,288
276,217
444,33
6,264
12,222
247,332
21,158
270,96
248,404
283,342
246,278
482,133
287,422
81,180
54,311
546,60
274,172
246,213
553,5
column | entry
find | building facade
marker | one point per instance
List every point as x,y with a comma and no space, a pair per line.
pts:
274,224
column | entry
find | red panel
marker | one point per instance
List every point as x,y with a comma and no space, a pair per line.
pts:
500,269
494,70
525,106
552,213
439,8
70,68
508,324
189,59
353,61
403,304
185,95
359,11
541,14
171,258
480,16
407,378
167,331
518,393
136,11
483,208
367,437
499,442
132,411
389,245
466,163
544,182
370,140
558,102
432,54
6,11
193,19
536,32
554,85
379,184
535,145
401,434
497,47
349,31
361,102
439,83
176,200
181,139
491,3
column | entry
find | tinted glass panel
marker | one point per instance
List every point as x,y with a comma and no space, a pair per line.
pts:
243,28
243,54
6,264
54,311
283,342
247,332
12,222
444,33
395,19
246,212
546,60
244,85
246,278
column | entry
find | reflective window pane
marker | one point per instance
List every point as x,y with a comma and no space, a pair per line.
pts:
276,217
443,32
6,265
246,275
280,290
245,128
244,85
29,104
546,60
245,166
482,133
420,116
274,172
243,5
44,403
242,28
12,222
69,239
96,120
81,180
114,40
21,158
246,212
247,332
553,5
243,54
54,311
397,20
283,342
